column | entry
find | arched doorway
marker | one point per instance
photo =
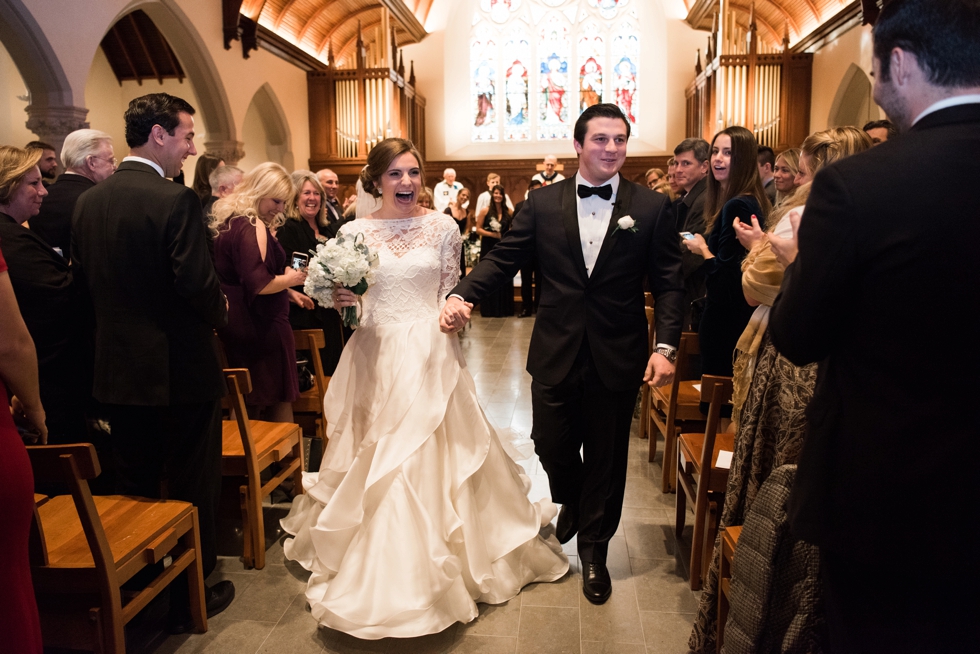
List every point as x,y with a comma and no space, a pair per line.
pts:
266,131
853,104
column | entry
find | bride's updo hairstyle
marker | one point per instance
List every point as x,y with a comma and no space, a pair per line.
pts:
380,158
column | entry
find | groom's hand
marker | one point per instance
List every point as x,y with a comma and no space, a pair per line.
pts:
660,371
455,314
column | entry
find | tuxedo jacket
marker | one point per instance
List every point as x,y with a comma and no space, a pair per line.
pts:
883,294
607,307
140,251
53,222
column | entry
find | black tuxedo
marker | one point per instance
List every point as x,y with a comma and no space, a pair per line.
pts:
588,350
140,251
881,294
53,222
690,218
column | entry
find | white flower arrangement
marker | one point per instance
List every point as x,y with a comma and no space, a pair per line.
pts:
494,225
344,260
626,224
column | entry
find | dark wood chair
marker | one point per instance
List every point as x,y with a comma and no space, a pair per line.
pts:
84,548
676,408
729,539
700,480
248,448
645,390
310,402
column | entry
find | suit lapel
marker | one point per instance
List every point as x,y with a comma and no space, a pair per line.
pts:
569,212
620,209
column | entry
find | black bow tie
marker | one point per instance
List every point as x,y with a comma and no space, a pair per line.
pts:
604,192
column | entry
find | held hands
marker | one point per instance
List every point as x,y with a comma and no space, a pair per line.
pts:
786,249
660,371
748,235
455,314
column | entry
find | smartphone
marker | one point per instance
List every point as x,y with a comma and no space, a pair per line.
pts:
300,260
687,236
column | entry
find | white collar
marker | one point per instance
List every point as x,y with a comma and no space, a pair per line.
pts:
612,181
141,160
953,101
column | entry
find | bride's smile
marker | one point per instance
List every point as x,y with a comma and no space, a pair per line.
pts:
400,186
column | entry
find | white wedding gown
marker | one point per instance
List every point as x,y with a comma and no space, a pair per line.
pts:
418,512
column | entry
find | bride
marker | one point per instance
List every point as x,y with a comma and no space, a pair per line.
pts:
418,512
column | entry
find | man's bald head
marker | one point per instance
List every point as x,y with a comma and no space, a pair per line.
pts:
330,182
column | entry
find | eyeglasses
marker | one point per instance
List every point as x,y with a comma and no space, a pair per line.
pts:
112,162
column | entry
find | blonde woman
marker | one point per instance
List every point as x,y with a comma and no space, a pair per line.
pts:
255,276
784,174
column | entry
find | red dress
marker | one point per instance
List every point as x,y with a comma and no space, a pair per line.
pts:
20,627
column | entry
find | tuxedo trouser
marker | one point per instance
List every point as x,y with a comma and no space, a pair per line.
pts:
180,443
580,414
913,604
529,273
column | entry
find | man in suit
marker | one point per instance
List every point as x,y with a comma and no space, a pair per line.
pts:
690,174
596,237
89,159
140,251
48,165
887,470
767,162
528,271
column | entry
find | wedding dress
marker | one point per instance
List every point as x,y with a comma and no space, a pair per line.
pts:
418,511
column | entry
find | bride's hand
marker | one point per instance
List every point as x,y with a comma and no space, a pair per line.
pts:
455,314
342,297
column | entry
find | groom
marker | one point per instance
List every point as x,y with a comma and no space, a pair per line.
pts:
596,236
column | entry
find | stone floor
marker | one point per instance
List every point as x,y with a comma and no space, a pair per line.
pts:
651,608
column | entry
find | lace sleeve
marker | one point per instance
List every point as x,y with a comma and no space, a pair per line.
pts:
452,247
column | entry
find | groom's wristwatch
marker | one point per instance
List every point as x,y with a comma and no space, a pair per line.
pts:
666,352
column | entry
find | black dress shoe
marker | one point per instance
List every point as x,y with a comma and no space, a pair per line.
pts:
596,585
567,525
217,598
526,313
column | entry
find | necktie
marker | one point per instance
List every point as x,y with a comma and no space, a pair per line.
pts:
604,192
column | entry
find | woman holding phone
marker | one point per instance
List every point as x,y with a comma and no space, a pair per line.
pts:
306,227
254,275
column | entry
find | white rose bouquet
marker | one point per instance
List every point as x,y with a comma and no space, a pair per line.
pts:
494,225
344,260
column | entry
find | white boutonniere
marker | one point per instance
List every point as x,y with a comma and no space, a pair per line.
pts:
626,224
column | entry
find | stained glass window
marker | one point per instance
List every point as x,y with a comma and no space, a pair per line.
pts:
535,65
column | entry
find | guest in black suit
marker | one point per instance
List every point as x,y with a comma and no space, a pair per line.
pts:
880,294
596,237
139,249
690,175
223,181
42,282
530,292
88,158
767,164
48,165
335,212
734,193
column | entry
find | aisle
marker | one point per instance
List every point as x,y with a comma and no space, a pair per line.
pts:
651,609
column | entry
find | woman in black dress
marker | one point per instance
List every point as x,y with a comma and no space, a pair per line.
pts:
735,192
491,225
306,227
461,211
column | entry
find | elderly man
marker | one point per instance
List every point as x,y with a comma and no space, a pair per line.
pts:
549,175
88,159
882,293
139,250
445,191
223,181
48,165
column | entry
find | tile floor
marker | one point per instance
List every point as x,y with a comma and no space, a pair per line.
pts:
651,608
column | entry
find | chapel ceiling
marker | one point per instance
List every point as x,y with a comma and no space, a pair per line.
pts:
774,18
319,26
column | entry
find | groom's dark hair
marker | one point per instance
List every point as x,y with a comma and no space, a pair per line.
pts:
602,110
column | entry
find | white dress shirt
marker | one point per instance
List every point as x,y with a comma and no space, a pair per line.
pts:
152,164
593,219
443,194
483,202
948,102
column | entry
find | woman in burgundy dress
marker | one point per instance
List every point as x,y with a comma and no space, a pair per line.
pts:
20,186
254,275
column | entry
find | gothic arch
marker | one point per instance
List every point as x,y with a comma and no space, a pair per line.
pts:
278,139
34,57
853,104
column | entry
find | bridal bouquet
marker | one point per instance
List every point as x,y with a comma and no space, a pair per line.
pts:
344,260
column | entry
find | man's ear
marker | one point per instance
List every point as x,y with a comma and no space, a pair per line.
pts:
157,134
904,65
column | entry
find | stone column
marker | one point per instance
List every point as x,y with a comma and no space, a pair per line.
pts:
229,151
53,124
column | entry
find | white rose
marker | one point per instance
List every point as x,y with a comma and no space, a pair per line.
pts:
626,222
